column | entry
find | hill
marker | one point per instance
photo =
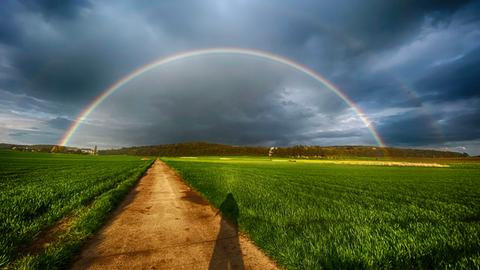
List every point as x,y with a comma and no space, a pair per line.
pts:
299,151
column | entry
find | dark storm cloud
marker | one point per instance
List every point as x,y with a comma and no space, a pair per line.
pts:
9,30
374,24
441,127
459,80
77,58
388,23
56,8
11,23
463,126
249,102
399,60
410,129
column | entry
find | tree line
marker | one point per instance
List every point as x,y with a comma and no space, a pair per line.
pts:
298,151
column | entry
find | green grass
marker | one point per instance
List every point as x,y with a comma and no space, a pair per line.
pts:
37,190
314,215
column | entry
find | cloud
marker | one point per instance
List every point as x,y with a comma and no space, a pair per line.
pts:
456,80
227,99
56,8
401,62
409,129
453,123
59,123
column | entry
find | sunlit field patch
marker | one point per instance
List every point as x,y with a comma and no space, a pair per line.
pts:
311,215
379,163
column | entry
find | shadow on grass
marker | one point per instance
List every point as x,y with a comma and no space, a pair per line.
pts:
227,253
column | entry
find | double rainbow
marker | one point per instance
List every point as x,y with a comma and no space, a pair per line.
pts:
215,51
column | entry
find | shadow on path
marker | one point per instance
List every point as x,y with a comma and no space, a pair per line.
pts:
227,253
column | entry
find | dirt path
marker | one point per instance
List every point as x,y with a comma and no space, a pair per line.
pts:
162,224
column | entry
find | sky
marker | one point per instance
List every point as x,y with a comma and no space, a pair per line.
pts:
412,67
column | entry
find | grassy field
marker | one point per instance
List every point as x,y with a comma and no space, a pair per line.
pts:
68,196
308,215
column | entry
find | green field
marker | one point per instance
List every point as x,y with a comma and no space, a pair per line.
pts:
37,191
316,215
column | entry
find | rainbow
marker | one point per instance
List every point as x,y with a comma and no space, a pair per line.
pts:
214,51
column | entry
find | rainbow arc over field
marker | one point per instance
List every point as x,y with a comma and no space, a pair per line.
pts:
216,51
